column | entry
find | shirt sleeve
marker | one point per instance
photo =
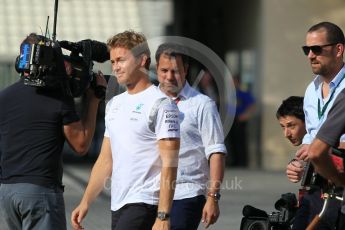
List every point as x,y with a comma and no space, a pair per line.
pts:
167,121
211,129
334,126
107,108
310,112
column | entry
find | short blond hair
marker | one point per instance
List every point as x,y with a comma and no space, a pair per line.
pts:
134,41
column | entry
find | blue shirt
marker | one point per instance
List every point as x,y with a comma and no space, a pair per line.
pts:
244,100
313,94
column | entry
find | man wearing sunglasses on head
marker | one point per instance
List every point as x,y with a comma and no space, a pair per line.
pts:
324,49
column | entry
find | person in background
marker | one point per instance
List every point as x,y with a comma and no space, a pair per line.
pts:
291,118
236,140
202,152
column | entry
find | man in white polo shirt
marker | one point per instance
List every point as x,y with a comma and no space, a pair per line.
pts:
201,157
140,145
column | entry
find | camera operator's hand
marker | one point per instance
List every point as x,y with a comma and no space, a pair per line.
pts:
210,213
295,170
302,153
100,87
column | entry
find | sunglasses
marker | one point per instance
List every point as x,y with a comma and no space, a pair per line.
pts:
317,50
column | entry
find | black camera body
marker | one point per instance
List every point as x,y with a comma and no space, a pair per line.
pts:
257,219
311,178
44,65
40,64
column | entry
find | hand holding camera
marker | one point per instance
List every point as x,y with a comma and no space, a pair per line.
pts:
295,170
99,85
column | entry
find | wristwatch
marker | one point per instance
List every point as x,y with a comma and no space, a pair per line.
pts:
215,195
163,215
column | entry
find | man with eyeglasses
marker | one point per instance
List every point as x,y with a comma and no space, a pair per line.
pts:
324,49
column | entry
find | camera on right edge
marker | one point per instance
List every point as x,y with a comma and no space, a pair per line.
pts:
257,219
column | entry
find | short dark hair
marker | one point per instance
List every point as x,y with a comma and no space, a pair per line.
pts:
292,106
334,33
172,50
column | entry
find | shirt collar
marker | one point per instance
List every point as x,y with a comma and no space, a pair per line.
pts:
336,80
184,93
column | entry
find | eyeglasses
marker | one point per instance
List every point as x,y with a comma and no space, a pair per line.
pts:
317,50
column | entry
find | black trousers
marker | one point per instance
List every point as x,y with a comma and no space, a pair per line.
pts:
341,222
136,216
236,143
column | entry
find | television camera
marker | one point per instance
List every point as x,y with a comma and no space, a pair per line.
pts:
43,64
257,219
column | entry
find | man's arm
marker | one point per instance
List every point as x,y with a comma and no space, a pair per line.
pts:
79,134
302,153
101,171
211,209
327,136
311,116
319,156
168,150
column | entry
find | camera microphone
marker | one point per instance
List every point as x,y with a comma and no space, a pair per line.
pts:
99,51
90,49
251,211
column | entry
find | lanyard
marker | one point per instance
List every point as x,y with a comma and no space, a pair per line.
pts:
321,112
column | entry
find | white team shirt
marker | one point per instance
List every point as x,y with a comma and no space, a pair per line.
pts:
133,138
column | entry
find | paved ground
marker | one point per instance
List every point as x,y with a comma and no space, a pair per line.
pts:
258,188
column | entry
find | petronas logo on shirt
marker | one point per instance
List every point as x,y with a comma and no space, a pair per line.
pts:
138,107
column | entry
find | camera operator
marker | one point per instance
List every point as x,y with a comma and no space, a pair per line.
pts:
328,136
292,120
34,123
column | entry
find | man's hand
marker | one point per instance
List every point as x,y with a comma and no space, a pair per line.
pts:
210,213
161,225
78,215
294,171
100,86
302,153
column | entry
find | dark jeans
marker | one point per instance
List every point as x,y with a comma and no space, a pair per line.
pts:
236,143
136,216
311,205
26,206
186,213
341,222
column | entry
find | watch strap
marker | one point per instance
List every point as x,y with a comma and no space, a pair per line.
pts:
215,195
